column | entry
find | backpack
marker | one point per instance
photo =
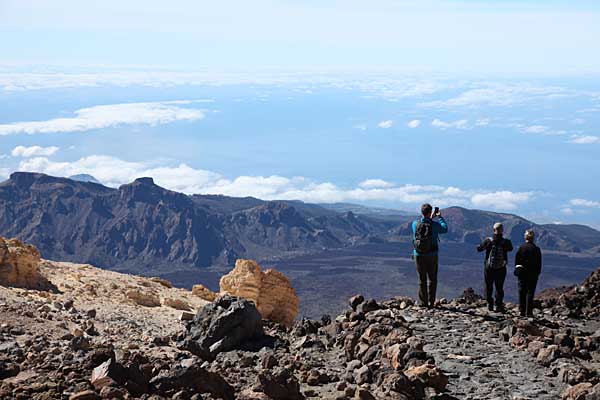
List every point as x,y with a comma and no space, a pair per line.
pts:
423,241
496,258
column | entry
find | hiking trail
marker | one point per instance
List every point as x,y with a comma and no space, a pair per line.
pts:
480,365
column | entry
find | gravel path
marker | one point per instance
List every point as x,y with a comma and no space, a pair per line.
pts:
480,365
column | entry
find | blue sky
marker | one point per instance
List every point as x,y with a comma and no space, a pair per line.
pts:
492,105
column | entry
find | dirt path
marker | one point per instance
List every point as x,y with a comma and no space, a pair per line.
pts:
480,365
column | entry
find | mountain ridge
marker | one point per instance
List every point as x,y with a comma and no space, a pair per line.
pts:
142,227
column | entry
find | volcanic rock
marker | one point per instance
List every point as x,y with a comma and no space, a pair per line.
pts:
192,377
270,290
146,299
177,304
280,384
430,375
19,265
224,325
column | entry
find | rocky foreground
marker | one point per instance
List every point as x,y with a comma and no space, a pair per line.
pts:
93,334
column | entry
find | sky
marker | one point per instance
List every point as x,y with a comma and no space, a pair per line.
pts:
483,104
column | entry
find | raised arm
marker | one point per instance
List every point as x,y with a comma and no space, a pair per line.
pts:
441,226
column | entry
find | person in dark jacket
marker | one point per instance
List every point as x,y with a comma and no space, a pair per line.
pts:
427,262
496,259
528,262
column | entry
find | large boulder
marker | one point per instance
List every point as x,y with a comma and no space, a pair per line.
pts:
224,325
270,290
19,265
280,384
192,377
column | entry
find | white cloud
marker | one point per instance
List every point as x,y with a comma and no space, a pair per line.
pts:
500,94
503,200
375,183
482,122
460,124
576,139
105,116
567,211
538,130
114,172
361,127
415,123
32,151
391,87
535,129
585,203
386,124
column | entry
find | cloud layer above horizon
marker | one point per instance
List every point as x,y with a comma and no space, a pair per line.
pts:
105,116
183,178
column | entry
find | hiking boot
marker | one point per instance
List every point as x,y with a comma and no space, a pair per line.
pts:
500,309
491,307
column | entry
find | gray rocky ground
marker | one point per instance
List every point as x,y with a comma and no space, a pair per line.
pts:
479,363
82,342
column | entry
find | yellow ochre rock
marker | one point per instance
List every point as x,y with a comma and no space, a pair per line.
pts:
270,290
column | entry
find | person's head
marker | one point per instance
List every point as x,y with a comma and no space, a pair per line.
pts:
529,235
426,210
498,228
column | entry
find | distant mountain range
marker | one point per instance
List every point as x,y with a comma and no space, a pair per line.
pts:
144,228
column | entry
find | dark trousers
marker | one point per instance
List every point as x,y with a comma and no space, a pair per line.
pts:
494,277
427,269
527,286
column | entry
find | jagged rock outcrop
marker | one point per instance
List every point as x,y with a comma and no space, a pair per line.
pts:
224,325
19,265
270,290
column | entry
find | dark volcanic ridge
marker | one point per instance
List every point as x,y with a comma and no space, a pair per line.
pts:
143,228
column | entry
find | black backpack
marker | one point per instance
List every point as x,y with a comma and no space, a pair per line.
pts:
423,241
496,259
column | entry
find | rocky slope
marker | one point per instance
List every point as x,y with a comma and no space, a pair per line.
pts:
98,334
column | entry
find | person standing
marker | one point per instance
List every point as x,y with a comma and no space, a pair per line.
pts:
425,253
528,262
496,259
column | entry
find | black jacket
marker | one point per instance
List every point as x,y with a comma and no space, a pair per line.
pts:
488,242
530,257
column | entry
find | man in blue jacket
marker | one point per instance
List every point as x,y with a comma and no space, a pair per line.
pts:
425,242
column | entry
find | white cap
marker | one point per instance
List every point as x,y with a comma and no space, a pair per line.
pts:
498,225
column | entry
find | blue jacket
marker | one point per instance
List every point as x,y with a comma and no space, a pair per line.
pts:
438,228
